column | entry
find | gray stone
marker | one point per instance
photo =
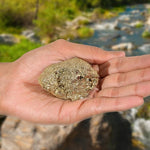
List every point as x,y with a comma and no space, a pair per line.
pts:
7,39
124,46
141,131
135,11
136,23
107,26
148,21
127,29
124,18
145,48
30,35
77,22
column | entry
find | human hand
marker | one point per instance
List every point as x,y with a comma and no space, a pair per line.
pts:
124,77
22,96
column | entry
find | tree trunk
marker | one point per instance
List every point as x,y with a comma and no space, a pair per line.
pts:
36,9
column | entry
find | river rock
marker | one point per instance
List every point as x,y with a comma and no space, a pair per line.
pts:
141,131
107,26
135,11
124,46
7,39
127,29
124,38
71,79
98,133
124,18
145,48
78,22
30,35
137,23
148,21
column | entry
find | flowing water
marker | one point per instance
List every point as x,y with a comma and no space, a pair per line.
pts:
118,30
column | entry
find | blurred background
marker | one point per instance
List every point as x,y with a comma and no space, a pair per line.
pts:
111,25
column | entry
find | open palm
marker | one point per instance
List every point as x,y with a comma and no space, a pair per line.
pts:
24,98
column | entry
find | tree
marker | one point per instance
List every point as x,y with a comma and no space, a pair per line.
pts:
36,9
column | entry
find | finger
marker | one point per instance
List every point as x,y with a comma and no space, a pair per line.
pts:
80,110
124,64
123,79
92,54
139,89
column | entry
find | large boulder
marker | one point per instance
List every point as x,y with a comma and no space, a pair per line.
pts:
101,132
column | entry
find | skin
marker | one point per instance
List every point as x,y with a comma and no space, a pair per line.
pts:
127,76
22,96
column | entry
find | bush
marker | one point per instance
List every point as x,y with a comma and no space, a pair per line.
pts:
16,13
10,53
52,16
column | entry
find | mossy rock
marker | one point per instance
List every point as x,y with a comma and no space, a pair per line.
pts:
139,25
144,111
85,32
146,34
84,22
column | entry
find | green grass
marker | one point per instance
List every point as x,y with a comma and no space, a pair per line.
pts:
9,53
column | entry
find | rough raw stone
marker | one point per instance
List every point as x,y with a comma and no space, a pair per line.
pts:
71,79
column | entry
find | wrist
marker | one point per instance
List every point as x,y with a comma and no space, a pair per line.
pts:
5,73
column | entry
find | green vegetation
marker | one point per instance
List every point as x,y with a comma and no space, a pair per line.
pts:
144,111
10,53
85,32
146,34
49,16
139,25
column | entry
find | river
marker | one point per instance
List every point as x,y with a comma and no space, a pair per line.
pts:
106,35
